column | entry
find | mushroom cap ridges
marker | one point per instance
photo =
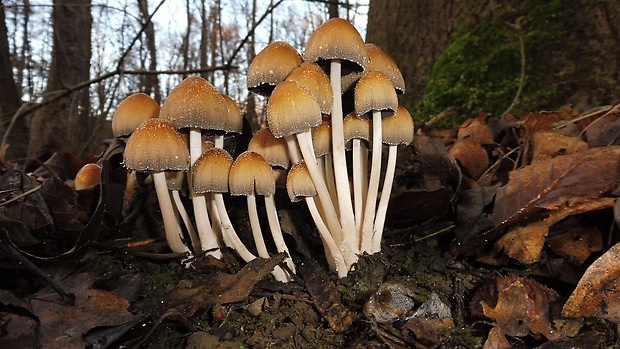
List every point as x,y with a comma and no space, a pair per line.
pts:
337,39
251,174
374,91
381,61
313,78
273,149
132,112
210,171
271,66
292,109
156,146
299,184
195,103
398,129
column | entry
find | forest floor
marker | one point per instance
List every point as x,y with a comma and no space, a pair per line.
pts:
499,235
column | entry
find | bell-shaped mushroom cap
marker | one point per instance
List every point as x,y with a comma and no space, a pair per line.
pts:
210,171
398,129
251,174
313,78
381,61
89,176
156,146
299,184
273,149
271,66
292,109
132,112
322,138
195,103
234,119
337,39
356,128
374,91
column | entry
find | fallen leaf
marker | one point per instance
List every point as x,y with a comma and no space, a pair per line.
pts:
220,289
562,181
476,130
60,325
598,292
577,244
526,243
472,156
519,306
549,144
605,130
496,339
470,212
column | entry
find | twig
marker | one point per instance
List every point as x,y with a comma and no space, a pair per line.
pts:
515,100
22,195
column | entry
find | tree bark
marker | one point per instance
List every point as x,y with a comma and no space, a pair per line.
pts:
10,99
150,82
584,65
64,123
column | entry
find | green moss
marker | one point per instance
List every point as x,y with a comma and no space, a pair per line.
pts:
480,71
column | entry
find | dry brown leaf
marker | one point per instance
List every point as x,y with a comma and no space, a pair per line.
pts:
598,292
62,325
549,144
522,307
476,130
525,243
472,156
496,339
562,181
577,244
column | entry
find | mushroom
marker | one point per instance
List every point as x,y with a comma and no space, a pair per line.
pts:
196,104
299,185
398,129
251,175
338,43
290,99
374,95
271,66
132,112
89,176
210,175
156,146
357,130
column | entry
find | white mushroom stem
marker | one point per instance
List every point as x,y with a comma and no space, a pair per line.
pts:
259,241
360,182
216,221
208,238
373,184
304,139
334,254
341,175
180,210
385,198
229,230
276,230
172,226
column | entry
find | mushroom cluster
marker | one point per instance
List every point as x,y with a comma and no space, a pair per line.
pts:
331,162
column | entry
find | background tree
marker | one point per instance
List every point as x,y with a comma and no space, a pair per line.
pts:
63,123
475,56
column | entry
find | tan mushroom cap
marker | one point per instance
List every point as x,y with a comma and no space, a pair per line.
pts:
156,146
271,66
374,91
292,109
313,78
398,129
195,103
337,39
234,119
322,138
381,61
356,128
89,176
299,184
175,179
210,171
132,112
251,174
273,149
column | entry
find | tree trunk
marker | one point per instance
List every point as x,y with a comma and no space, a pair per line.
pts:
10,99
578,63
150,82
63,124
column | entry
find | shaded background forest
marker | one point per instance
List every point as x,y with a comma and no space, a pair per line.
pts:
66,64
